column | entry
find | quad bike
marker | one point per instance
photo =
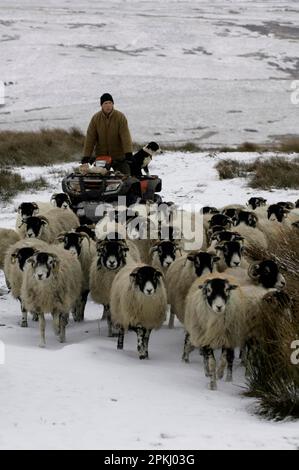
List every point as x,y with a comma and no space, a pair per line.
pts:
89,186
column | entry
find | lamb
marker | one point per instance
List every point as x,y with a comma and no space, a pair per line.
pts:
51,284
80,245
48,228
8,237
15,265
139,302
214,317
112,255
180,276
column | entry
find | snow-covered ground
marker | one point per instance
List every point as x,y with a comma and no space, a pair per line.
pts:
86,394
211,72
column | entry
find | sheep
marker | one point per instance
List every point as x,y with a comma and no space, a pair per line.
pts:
86,229
8,237
230,255
61,200
224,236
31,209
214,317
51,284
80,245
247,226
14,266
164,253
180,276
112,255
139,302
274,225
255,202
47,228
265,273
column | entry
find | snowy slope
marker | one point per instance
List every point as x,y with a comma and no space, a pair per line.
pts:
208,72
86,394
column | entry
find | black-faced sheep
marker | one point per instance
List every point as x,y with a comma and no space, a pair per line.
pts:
139,302
52,284
112,255
214,318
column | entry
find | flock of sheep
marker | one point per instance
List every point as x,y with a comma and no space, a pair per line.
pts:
51,264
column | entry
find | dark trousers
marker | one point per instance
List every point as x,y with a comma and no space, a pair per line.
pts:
122,166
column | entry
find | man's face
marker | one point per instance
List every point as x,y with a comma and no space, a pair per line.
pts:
107,107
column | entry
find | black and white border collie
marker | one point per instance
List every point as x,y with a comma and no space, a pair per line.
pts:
142,158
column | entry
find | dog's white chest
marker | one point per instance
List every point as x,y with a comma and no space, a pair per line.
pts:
146,161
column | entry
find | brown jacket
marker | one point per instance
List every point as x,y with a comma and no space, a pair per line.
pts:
109,135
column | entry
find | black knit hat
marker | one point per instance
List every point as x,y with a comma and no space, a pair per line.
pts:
106,97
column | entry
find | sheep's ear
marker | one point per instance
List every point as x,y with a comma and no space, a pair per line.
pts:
219,247
159,274
134,273
233,286
13,257
154,248
53,199
56,262
44,220
20,209
253,270
60,237
31,260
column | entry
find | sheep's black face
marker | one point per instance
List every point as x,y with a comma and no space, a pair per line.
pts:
27,209
232,253
269,275
232,213
166,252
248,218
34,227
203,262
147,279
255,202
287,205
209,210
220,219
277,212
216,292
112,254
22,255
43,264
87,230
61,200
226,236
72,242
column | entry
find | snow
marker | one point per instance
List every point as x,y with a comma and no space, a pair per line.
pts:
207,72
85,394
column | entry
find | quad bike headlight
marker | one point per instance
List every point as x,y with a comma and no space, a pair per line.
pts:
112,186
74,185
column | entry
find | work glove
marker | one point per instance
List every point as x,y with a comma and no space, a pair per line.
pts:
129,157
